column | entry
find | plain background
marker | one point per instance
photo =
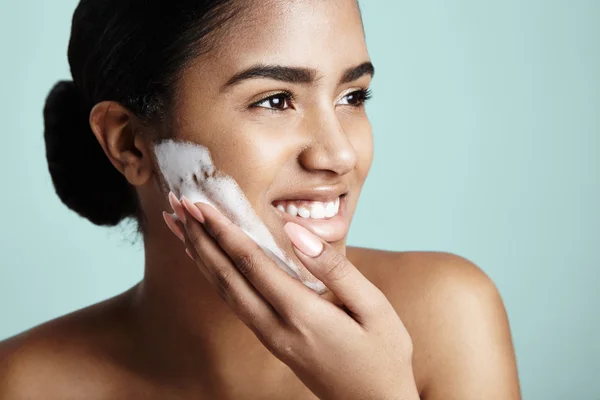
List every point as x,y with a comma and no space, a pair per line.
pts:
486,118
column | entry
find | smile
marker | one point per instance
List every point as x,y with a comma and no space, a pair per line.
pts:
326,218
309,209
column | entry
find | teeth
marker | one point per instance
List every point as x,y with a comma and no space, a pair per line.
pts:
291,209
308,209
330,209
303,212
317,210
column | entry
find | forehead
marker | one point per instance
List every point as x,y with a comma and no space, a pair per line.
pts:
326,35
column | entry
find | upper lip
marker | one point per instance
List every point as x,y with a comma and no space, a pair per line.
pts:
321,193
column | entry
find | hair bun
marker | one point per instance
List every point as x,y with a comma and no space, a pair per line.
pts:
83,177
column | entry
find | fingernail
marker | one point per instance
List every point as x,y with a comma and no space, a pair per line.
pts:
192,209
170,221
303,239
187,251
176,206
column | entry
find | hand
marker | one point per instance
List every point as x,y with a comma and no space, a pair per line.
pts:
360,352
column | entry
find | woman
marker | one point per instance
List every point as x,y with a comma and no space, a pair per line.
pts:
275,90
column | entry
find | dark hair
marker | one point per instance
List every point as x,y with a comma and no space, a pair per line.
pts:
131,52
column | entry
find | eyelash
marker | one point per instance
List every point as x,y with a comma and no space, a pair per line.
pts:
363,96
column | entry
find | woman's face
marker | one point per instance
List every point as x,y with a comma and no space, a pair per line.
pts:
292,127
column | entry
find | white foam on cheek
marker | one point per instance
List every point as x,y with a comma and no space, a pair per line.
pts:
188,170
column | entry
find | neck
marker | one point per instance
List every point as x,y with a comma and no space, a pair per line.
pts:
187,327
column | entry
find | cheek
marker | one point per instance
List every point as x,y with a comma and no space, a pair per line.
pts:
253,159
238,148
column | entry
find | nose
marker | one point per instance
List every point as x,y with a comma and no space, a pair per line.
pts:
330,149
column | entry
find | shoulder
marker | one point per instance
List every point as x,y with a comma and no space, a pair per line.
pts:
434,284
63,358
424,277
33,368
455,316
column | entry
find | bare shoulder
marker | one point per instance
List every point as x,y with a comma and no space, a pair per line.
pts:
57,360
428,288
456,319
419,267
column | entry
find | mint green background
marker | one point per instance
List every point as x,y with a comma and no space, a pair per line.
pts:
487,128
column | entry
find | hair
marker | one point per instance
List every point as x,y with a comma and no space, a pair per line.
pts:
128,51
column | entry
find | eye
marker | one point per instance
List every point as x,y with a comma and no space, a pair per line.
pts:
278,101
357,98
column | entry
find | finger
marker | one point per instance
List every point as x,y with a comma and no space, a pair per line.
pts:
260,317
176,226
177,207
286,294
359,295
231,285
172,225
189,254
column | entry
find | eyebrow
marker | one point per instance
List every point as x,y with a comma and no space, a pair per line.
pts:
353,74
296,75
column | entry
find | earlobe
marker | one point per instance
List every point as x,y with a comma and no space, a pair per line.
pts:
117,131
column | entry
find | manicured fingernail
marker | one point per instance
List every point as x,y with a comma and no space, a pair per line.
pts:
192,209
187,251
172,224
303,239
176,206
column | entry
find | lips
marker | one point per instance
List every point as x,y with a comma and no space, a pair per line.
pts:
331,229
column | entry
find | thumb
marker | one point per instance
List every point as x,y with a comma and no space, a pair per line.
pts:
358,294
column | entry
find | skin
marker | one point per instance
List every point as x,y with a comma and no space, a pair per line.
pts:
438,328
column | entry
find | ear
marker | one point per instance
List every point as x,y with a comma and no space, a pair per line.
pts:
118,132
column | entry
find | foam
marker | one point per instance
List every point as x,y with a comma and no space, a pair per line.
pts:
188,170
